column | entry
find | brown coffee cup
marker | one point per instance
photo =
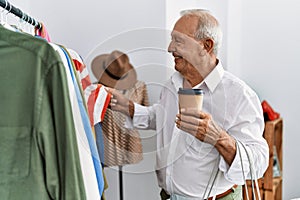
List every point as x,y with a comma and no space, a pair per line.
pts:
190,98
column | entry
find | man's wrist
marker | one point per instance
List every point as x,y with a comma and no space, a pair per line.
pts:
226,145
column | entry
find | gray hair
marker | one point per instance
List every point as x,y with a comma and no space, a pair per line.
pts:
208,27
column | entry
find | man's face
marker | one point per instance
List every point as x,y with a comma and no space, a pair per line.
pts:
184,27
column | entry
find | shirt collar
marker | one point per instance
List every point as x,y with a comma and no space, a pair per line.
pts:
211,80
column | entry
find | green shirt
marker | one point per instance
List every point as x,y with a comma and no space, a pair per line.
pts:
38,150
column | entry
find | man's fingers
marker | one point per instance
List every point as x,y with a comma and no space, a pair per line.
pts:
113,102
192,129
193,112
190,119
109,90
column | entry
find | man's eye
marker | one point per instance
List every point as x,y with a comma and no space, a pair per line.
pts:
178,41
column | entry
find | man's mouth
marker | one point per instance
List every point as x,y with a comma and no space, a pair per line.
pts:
177,58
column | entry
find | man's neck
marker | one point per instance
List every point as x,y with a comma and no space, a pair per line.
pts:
190,82
194,78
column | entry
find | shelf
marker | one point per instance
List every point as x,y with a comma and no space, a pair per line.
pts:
276,182
271,187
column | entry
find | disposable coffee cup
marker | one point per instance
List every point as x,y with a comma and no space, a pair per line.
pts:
190,98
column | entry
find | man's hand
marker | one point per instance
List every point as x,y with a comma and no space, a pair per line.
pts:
119,102
202,126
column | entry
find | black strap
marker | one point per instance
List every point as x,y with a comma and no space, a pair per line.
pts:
112,75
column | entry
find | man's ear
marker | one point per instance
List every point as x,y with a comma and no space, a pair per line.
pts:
208,45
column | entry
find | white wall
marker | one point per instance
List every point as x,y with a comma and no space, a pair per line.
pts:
264,51
261,45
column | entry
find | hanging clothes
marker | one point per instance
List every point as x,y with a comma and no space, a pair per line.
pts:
97,100
89,160
87,163
42,32
86,123
123,146
96,97
39,157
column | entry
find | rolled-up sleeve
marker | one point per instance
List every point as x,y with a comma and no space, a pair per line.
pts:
143,118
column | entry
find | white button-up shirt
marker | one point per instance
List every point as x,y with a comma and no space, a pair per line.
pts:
185,165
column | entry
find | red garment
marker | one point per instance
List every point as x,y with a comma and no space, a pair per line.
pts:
42,32
96,97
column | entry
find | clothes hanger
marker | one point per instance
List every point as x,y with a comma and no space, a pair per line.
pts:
5,24
2,18
19,24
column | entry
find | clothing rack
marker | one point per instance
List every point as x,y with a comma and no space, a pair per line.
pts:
17,12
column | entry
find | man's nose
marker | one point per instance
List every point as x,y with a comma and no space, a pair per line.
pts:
171,47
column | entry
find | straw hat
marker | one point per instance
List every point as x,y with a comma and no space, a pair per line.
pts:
114,70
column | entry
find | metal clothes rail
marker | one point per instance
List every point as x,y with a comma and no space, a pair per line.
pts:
19,13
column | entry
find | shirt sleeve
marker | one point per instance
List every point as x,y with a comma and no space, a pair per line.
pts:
247,129
143,118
